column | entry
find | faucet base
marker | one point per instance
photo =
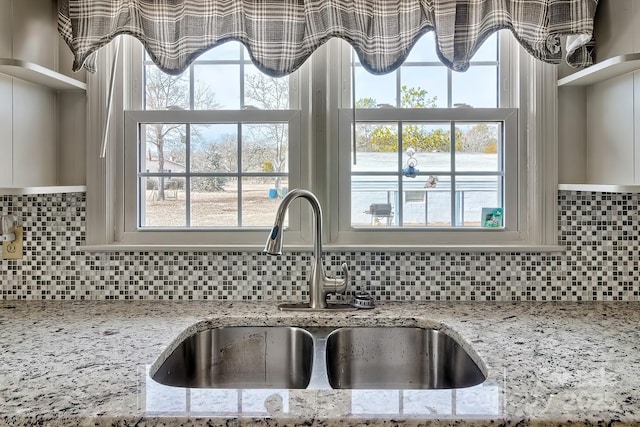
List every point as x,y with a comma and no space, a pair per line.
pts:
304,306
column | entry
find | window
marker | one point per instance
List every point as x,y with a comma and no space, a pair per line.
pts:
213,149
439,158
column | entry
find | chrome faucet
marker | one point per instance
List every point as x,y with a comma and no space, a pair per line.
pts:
319,284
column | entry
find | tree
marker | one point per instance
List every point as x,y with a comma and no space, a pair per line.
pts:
416,97
165,92
211,160
385,138
480,139
269,142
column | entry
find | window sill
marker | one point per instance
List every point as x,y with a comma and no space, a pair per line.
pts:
326,248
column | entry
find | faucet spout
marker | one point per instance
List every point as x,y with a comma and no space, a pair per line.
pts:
319,284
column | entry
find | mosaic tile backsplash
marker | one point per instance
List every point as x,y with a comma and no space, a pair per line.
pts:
599,230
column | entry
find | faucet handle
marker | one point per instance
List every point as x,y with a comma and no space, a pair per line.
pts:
345,280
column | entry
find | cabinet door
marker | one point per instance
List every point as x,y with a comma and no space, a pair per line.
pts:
35,34
610,131
34,135
6,133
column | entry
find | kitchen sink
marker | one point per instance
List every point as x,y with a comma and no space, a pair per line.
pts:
240,357
398,358
319,358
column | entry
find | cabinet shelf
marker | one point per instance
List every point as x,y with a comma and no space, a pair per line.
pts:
608,69
40,75
55,189
601,188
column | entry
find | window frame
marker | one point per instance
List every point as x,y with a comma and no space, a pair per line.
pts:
418,235
133,233
526,84
534,94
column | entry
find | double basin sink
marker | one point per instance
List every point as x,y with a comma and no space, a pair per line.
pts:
318,358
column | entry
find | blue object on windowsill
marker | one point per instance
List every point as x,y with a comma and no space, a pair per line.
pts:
410,172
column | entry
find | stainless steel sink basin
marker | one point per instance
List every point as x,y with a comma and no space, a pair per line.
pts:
318,358
240,357
398,358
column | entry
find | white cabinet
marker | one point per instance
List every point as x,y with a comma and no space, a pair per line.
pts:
42,111
599,108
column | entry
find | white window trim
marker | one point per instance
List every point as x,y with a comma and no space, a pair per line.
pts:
107,227
536,94
132,234
416,236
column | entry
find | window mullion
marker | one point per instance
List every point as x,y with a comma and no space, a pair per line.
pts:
187,183
452,191
239,166
400,194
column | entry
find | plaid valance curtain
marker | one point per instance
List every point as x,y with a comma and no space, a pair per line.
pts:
281,34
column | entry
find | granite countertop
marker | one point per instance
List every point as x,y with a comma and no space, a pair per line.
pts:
86,363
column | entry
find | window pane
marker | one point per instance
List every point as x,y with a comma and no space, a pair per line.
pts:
425,87
162,148
424,50
479,146
214,148
475,193
377,147
214,202
372,200
162,202
216,87
373,90
265,147
261,197
264,92
488,51
477,87
426,201
165,92
226,51
426,138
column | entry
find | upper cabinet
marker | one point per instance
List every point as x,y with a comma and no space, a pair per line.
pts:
599,118
42,104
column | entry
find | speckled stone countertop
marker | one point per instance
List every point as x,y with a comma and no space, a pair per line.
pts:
86,363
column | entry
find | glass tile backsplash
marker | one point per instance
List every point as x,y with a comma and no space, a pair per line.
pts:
599,230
